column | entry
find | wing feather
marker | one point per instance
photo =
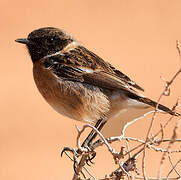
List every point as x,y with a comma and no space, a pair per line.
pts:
80,64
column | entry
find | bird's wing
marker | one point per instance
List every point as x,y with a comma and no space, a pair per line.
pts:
99,63
82,65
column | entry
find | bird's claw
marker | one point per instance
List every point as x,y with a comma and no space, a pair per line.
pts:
73,151
90,158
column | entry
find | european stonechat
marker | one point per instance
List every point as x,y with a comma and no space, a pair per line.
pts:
82,86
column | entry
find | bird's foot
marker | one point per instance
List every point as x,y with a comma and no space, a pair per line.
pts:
91,154
79,153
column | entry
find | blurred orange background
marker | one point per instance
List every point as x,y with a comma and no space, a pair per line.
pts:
138,37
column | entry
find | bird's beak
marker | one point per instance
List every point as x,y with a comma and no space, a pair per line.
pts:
23,41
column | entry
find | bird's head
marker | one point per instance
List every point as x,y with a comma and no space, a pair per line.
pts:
45,41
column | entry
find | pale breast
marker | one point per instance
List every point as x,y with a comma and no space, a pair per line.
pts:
76,100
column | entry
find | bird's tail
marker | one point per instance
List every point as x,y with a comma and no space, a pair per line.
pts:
154,104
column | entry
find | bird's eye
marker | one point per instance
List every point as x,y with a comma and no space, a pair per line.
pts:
50,40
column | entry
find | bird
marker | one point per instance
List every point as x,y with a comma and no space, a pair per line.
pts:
79,84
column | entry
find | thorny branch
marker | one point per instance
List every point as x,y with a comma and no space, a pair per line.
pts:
166,92
152,143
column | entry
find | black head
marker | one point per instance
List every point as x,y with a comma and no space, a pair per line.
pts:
45,41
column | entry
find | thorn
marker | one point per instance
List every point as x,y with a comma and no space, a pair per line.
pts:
78,130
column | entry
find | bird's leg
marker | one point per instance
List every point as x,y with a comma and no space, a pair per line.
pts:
87,142
92,135
95,133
